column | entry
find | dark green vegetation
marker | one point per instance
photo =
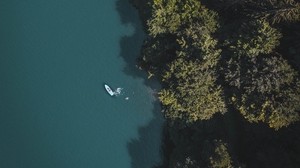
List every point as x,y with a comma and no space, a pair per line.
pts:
230,76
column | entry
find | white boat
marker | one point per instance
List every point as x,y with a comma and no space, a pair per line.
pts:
109,91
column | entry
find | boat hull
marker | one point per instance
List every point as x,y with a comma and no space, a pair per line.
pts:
109,90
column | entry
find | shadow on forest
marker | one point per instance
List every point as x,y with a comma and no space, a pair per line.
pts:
261,146
143,151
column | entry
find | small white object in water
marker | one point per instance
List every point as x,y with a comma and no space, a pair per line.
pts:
126,98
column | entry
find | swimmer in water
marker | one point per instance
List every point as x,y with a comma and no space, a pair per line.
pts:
126,98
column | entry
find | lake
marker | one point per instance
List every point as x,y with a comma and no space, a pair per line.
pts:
55,57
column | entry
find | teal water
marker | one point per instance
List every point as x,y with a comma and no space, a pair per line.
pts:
55,56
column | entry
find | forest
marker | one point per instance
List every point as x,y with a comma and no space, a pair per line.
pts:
229,71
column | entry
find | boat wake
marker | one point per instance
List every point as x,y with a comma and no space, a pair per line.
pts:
118,91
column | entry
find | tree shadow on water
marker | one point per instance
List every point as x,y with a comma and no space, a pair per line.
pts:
144,151
131,44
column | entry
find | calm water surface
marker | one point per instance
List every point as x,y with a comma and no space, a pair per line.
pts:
55,56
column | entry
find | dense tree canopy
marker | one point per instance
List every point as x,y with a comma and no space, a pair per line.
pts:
220,157
234,56
256,37
169,16
192,93
196,41
267,87
195,95
277,10
268,90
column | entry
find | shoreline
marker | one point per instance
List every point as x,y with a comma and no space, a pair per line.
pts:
232,128
166,143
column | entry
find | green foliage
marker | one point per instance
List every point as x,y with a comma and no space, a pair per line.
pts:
191,25
165,17
192,94
268,90
221,157
196,40
257,37
278,10
183,50
267,87
169,15
198,34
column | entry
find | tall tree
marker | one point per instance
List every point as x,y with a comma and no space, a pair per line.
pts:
192,93
256,37
196,41
268,90
277,10
169,15
220,157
